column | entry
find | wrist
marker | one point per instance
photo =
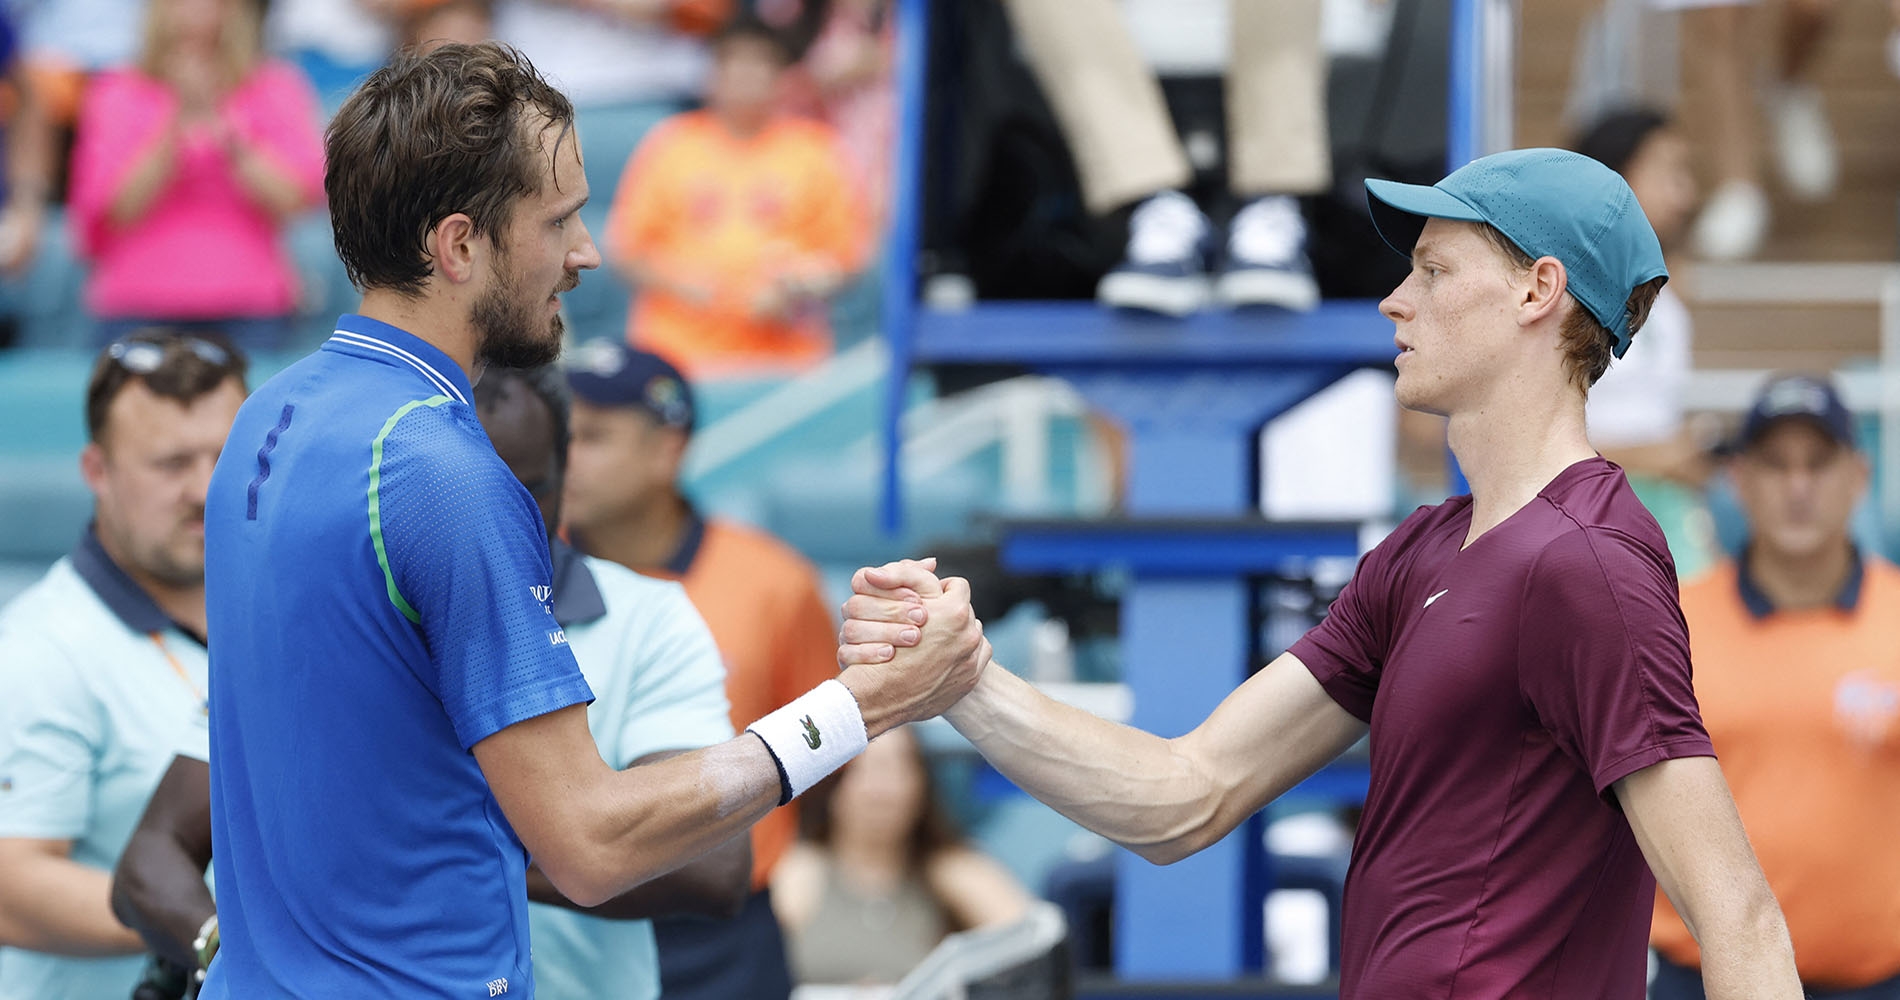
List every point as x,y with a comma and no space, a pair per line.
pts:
864,686
812,736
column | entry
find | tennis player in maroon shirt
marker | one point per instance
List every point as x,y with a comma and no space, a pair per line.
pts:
1517,655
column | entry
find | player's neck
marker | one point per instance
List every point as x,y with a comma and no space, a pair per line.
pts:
444,325
1799,582
645,540
1509,453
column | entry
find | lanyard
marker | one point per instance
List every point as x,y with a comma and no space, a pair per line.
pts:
204,704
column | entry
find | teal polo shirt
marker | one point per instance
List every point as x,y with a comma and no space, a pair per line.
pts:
659,684
100,689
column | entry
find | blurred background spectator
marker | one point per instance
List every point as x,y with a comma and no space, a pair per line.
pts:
1794,669
844,80
626,65
1735,220
185,170
1636,413
879,876
737,223
633,416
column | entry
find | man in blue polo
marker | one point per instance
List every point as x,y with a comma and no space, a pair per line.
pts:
397,722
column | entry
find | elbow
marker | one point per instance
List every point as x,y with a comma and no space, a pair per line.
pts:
579,875
1167,852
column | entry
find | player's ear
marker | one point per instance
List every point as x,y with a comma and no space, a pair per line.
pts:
454,248
1542,294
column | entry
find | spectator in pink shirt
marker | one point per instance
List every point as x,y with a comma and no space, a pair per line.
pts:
186,168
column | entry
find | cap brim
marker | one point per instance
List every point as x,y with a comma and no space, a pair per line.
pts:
1399,211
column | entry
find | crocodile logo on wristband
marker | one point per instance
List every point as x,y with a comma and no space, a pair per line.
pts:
813,738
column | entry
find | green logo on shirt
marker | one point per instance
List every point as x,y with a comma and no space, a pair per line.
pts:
812,737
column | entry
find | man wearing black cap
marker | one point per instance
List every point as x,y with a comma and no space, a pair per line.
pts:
633,416
1517,656
1800,689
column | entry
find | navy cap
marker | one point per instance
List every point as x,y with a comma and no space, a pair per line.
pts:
1551,203
605,373
1807,397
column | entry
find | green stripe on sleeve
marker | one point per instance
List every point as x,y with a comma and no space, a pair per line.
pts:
376,506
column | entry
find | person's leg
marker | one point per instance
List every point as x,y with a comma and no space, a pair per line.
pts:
1735,219
1105,98
1804,142
1277,148
1109,106
1276,99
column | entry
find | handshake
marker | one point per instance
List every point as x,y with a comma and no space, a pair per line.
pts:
910,646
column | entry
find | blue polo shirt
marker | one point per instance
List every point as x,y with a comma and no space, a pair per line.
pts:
378,591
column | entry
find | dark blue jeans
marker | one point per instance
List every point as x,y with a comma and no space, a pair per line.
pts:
1675,982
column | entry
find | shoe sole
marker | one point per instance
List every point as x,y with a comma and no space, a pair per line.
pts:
1153,293
1285,289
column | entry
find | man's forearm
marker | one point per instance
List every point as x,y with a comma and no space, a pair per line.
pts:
159,891
59,906
1750,958
647,821
1125,784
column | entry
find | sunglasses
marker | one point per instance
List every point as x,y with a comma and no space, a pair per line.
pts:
143,357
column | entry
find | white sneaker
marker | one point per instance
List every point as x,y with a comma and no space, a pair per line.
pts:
1266,261
1732,223
1804,143
1165,270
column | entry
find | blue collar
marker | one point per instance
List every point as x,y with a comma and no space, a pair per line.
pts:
118,592
695,536
577,599
363,337
1758,604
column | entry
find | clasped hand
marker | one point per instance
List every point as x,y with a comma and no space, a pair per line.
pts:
916,634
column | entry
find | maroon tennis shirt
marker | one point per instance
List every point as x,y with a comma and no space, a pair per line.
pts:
1508,686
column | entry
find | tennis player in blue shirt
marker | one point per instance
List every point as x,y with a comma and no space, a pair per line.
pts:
398,724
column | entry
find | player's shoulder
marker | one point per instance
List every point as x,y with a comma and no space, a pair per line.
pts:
433,431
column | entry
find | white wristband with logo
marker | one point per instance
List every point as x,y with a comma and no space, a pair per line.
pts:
814,735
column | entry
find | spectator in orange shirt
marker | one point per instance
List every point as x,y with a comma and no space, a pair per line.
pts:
1795,671
633,415
735,224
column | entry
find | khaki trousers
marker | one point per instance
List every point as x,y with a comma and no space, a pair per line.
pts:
1110,106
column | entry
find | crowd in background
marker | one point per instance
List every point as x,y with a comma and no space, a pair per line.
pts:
739,155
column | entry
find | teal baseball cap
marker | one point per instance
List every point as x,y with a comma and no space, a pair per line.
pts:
1551,203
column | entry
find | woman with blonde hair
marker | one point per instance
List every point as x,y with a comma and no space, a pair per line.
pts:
186,168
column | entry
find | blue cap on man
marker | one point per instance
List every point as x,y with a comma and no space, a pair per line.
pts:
1812,398
1551,203
606,373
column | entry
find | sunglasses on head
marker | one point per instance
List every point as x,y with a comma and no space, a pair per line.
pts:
143,357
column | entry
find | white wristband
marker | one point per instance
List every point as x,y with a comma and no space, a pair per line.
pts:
814,735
